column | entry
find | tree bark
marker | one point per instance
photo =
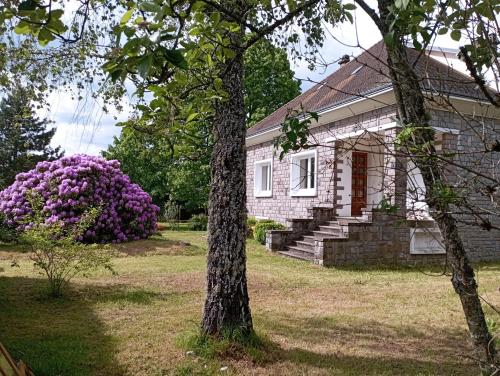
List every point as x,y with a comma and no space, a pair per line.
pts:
412,112
227,307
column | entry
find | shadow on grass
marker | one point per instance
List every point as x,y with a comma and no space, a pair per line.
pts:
342,364
54,336
124,294
329,343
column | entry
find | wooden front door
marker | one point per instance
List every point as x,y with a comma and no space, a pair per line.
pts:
359,182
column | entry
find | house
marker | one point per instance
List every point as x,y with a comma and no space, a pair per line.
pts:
332,196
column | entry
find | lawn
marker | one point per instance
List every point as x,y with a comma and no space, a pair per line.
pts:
315,321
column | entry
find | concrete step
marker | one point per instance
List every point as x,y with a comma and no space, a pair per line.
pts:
301,248
323,234
331,223
306,242
297,255
333,229
309,238
346,220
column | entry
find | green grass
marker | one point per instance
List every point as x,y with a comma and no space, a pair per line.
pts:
309,320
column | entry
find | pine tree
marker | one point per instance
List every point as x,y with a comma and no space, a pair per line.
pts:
24,137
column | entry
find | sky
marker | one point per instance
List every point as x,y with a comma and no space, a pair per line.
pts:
82,127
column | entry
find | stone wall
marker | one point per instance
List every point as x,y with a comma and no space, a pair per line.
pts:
481,244
282,205
383,241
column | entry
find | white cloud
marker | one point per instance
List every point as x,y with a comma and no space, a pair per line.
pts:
82,126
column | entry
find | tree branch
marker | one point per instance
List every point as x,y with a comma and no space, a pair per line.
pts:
477,78
261,33
371,12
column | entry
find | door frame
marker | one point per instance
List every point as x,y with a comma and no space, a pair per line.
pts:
358,206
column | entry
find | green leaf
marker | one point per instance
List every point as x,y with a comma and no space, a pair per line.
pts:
150,6
56,13
191,117
349,17
144,65
56,26
349,6
443,30
176,58
456,35
126,17
28,5
218,83
116,74
22,27
215,18
45,36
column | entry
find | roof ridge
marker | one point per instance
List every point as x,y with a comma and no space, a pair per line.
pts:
318,85
341,86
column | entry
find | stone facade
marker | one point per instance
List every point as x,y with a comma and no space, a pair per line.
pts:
385,239
482,244
282,205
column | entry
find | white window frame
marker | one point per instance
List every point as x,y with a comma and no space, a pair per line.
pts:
258,192
295,190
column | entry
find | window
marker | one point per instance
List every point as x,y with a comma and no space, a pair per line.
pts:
303,173
263,182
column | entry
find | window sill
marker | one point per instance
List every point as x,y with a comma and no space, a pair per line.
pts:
264,194
304,193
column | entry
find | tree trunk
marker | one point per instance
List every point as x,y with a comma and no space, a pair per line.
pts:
412,112
227,305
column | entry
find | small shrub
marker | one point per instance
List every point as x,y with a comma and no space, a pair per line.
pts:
198,222
251,221
55,250
262,227
266,221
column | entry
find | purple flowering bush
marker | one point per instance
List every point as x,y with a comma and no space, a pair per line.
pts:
70,186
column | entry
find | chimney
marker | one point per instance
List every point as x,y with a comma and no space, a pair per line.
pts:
344,59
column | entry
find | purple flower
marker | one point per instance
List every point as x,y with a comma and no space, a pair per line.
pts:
72,185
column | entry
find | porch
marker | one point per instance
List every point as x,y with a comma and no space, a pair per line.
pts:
374,238
379,215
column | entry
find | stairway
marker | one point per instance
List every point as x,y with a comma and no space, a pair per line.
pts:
303,248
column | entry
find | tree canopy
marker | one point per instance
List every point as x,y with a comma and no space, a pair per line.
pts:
269,81
168,165
25,138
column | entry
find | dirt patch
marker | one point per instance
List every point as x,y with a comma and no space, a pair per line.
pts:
154,247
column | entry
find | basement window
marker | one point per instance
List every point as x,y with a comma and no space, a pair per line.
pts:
263,182
303,173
